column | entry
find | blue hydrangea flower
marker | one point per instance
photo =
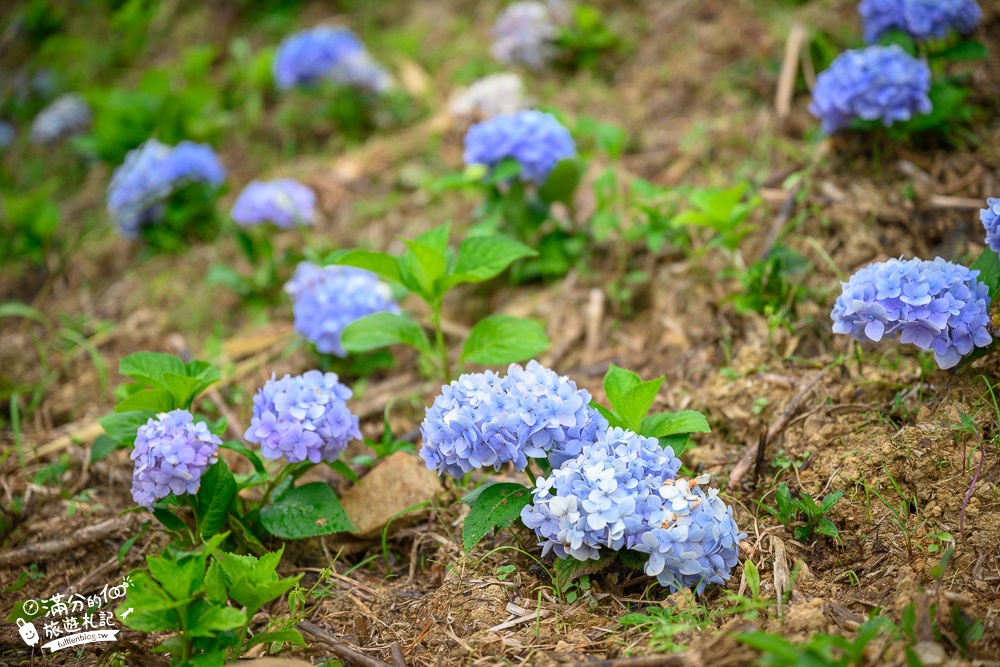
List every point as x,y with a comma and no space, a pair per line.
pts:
303,418
171,453
330,53
921,19
693,540
285,203
326,299
535,139
603,498
7,134
68,115
525,33
882,83
935,305
990,217
150,174
484,420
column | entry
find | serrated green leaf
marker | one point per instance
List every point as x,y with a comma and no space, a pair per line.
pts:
382,330
617,383
483,257
381,264
215,495
678,443
206,619
149,367
502,339
121,426
306,511
671,423
153,609
215,585
637,401
179,578
149,400
568,570
498,506
436,239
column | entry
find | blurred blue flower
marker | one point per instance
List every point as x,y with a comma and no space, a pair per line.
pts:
171,453
535,139
525,32
285,203
882,83
326,299
327,53
484,420
921,19
303,418
935,305
7,135
693,540
68,115
990,217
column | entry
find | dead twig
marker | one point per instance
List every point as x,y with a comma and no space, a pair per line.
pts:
396,651
972,488
340,649
45,550
797,37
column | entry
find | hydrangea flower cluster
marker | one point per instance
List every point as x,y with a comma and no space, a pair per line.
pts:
68,115
921,19
535,139
882,83
171,453
602,498
327,53
482,419
693,540
494,95
935,305
150,174
327,299
7,134
525,32
990,217
303,418
285,203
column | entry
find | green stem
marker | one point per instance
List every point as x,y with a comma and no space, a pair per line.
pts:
274,483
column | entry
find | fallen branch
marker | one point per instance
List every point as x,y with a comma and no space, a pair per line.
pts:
340,649
396,651
32,553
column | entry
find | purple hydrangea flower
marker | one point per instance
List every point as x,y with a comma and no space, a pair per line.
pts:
68,115
935,305
921,19
525,32
328,298
491,96
882,83
171,453
484,420
150,174
693,540
303,418
535,139
990,217
327,53
603,498
285,203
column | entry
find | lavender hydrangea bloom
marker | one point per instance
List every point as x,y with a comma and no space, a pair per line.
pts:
327,299
327,53
990,216
921,19
68,115
693,540
525,32
602,498
150,174
491,96
171,453
535,139
935,305
285,203
303,418
882,83
484,420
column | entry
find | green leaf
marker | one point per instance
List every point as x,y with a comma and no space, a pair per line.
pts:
830,500
249,454
345,470
215,495
121,426
306,511
568,570
149,367
379,263
502,339
153,609
436,239
988,265
102,448
771,644
149,400
617,383
207,620
382,330
215,585
182,387
169,520
965,51
421,267
678,443
637,401
826,527
562,181
483,257
287,636
784,499
179,578
498,506
23,311
671,423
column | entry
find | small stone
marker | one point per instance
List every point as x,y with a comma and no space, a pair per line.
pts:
930,654
396,484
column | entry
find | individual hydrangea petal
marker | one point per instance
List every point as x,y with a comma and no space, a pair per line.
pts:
535,139
285,203
68,115
171,453
602,498
494,95
692,540
330,53
327,299
921,19
990,217
150,174
882,83
303,418
484,420
935,305
525,32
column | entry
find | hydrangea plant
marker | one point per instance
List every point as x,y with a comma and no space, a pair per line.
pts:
284,203
327,53
171,453
533,139
525,32
68,115
922,20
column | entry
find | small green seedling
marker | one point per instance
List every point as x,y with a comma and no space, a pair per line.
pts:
813,519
